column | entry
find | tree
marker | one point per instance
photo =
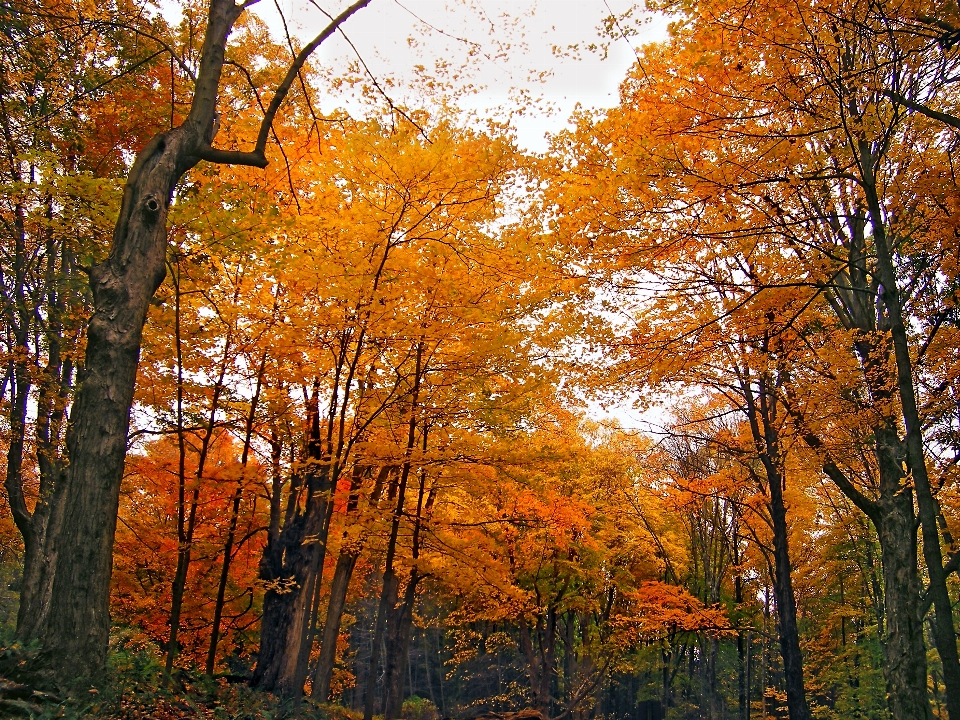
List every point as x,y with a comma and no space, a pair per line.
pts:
72,622
800,151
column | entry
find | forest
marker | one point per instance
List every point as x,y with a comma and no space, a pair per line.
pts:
311,382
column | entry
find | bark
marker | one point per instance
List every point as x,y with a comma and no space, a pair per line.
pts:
762,413
74,625
905,667
853,293
401,618
288,568
787,608
540,659
346,563
892,514
399,632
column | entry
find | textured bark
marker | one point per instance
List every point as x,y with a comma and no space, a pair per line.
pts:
905,667
853,295
73,626
787,609
289,569
399,631
762,404
346,563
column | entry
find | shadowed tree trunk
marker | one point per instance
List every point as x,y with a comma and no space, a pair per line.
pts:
945,636
286,568
761,408
400,621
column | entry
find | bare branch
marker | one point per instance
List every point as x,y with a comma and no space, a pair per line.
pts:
295,68
945,118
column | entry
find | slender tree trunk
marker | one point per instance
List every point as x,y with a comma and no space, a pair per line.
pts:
787,608
185,548
762,415
390,587
346,562
234,520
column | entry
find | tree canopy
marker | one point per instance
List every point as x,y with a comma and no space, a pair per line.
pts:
300,404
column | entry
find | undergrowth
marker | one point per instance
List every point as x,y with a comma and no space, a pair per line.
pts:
133,687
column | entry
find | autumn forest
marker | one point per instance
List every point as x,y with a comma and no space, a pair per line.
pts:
313,386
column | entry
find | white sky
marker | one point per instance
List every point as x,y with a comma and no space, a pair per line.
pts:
527,31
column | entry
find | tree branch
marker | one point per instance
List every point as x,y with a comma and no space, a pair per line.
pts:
945,118
295,68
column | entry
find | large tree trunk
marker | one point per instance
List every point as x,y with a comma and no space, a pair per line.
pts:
74,624
289,569
399,631
892,514
286,607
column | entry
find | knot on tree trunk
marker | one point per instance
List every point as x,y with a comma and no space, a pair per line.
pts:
152,207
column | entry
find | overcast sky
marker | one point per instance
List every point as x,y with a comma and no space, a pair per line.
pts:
514,42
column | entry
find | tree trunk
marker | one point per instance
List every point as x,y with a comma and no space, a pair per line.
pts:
346,562
762,413
390,587
400,628
74,627
234,520
787,608
331,626
401,618
289,569
904,653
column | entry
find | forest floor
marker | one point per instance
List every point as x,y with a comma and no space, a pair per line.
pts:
134,688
